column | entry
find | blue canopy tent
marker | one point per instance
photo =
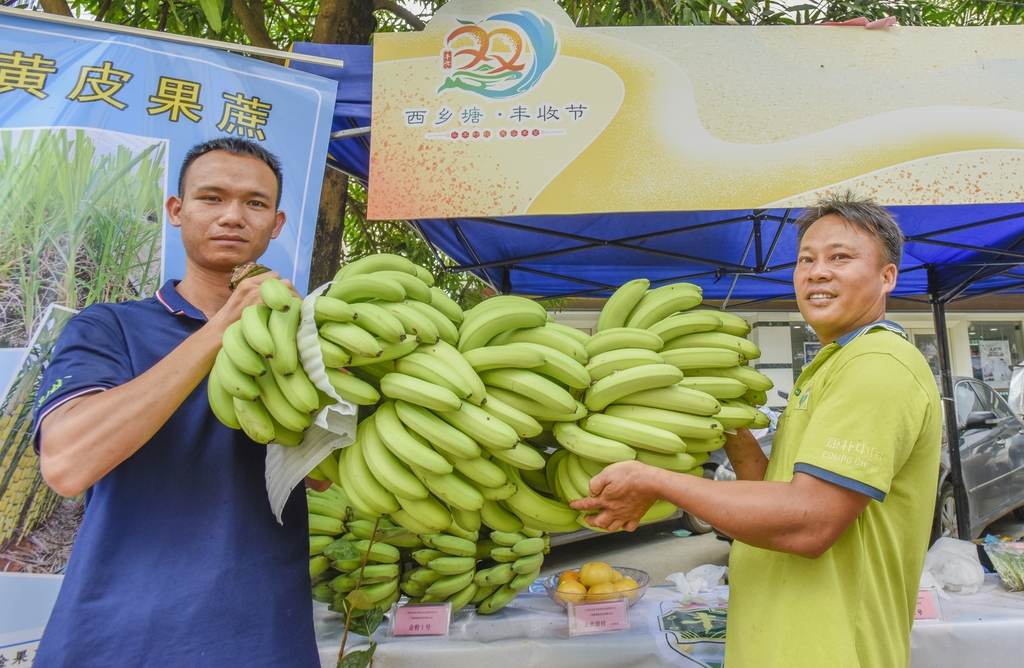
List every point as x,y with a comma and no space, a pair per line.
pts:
739,257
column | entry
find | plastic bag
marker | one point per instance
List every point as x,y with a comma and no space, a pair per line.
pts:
1008,558
955,566
702,578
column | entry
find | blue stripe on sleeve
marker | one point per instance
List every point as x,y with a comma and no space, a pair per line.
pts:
842,481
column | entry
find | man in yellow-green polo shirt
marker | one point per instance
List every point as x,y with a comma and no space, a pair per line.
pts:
831,532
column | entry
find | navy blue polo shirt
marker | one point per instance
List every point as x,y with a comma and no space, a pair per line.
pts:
179,560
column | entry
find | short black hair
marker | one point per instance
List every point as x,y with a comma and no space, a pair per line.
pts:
234,146
865,213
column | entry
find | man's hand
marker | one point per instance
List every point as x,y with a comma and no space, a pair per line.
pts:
246,294
624,492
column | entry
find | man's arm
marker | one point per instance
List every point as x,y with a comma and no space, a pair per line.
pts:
747,459
804,517
87,437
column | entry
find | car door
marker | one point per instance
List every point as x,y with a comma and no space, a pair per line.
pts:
988,468
1010,487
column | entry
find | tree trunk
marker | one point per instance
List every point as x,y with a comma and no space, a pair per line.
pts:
252,22
337,22
56,7
330,228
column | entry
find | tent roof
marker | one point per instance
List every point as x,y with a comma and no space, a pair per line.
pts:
743,256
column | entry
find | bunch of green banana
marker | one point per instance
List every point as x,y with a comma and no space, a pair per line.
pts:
257,383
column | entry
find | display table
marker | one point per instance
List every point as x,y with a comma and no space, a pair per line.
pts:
667,629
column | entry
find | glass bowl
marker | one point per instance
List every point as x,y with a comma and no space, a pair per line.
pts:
643,580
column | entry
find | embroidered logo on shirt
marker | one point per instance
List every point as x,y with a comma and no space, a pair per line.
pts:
848,452
53,388
801,403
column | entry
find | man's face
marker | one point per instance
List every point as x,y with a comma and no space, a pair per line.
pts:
227,211
841,278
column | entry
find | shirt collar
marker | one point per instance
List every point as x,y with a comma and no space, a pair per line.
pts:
175,303
881,324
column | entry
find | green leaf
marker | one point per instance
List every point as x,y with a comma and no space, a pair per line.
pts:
213,9
342,549
368,623
153,8
359,600
359,659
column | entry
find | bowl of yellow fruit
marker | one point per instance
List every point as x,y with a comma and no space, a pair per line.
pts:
596,581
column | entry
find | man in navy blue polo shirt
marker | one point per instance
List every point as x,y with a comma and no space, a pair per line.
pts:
179,560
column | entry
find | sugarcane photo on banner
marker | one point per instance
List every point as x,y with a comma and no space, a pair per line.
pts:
92,129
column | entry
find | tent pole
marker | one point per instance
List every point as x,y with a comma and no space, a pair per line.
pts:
963,524
506,279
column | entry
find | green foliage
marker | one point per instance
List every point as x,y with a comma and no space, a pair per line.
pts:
359,659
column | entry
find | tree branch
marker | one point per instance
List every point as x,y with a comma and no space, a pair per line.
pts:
401,12
252,23
56,7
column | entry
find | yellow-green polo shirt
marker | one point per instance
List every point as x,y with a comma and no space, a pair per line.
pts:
865,415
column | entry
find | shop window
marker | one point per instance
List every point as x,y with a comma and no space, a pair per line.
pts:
995,349
928,345
805,346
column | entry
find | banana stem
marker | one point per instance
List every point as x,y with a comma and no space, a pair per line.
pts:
359,583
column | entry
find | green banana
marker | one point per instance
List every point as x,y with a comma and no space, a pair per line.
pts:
325,526
429,512
678,462
451,584
443,303
329,309
621,303
632,433
719,388
364,287
392,351
551,468
551,337
221,401
444,437
379,592
453,545
275,294
382,553
425,576
415,323
334,356
458,364
495,493
535,510
689,322
371,490
522,456
480,471
375,263
683,425
532,386
607,363
278,405
524,580
753,379
637,379
408,447
496,601
732,324
529,563
351,337
576,335
409,522
467,520
351,388
455,530
479,425
662,302
756,397
286,437
361,529
447,331
426,555
453,565
326,508
585,444
254,328
419,392
234,380
318,565
623,337
516,356
495,516
453,490
674,398
298,390
425,276
283,327
507,538
737,414
463,597
537,478
254,419
477,332
687,359
379,322
318,543
240,352
536,410
560,366
376,573
715,340
524,425
503,555
414,288
528,546
433,370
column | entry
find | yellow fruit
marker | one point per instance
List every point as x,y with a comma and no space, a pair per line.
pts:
602,591
569,575
596,572
571,591
625,584
616,575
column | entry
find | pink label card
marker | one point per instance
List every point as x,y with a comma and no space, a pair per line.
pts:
422,620
926,605
602,617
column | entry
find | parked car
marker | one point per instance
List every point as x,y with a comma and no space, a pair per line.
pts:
991,456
